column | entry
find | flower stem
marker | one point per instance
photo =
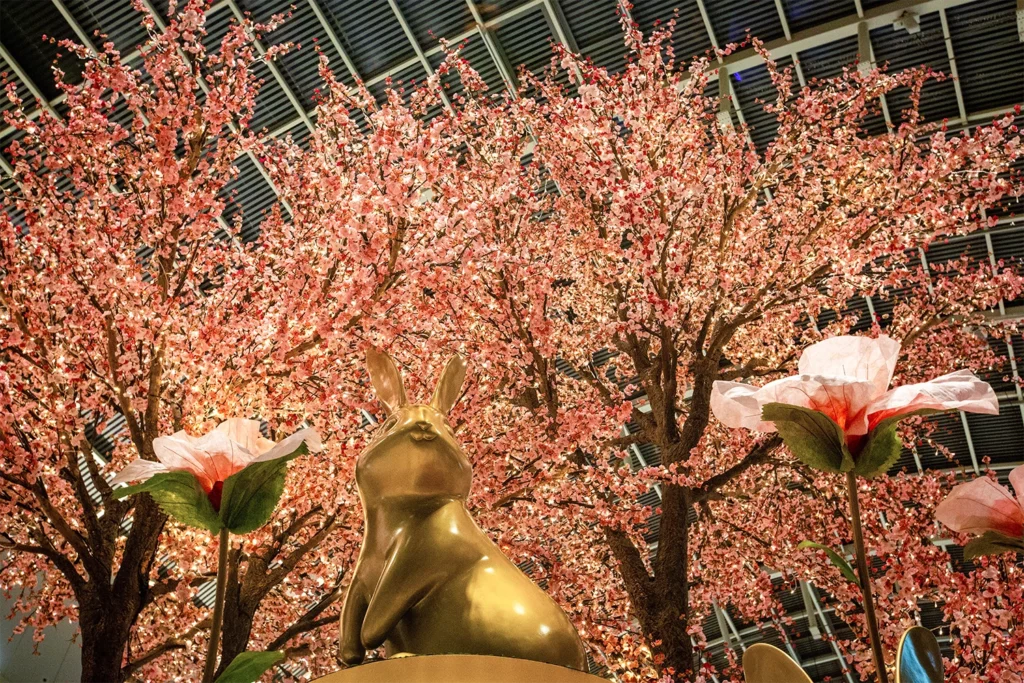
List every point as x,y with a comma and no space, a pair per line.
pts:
865,578
218,607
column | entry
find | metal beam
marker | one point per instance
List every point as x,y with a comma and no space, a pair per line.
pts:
642,460
812,618
458,38
787,641
992,261
1016,376
731,92
826,623
871,308
927,271
75,26
560,25
866,51
917,457
783,20
494,50
954,74
970,442
417,49
275,72
624,8
703,658
561,29
727,626
707,23
23,77
838,29
333,37
160,24
6,167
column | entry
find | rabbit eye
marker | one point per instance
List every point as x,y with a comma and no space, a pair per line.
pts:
388,424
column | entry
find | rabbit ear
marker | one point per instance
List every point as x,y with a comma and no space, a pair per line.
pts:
450,384
387,381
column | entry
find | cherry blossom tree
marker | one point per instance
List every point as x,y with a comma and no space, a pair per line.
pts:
121,290
154,310
648,249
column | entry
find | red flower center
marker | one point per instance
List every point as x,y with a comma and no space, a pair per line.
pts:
215,493
856,443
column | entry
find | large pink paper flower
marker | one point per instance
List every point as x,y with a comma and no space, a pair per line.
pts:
232,446
983,505
846,379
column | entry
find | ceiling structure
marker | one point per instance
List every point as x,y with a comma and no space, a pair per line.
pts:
980,42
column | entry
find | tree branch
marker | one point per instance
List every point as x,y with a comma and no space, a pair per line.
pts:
631,567
178,642
309,621
759,455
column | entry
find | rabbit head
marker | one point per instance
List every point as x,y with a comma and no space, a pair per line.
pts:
414,453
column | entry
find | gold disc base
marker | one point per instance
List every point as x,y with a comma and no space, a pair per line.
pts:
458,669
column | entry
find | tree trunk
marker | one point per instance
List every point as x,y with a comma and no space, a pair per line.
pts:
238,617
661,603
107,610
105,630
672,586
674,654
664,625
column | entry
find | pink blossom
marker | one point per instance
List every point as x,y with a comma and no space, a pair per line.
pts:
847,378
983,505
232,446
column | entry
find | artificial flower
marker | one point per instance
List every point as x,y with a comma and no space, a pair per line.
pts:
846,380
988,509
212,460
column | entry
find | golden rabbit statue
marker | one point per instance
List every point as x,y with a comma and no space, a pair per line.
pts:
428,580
918,660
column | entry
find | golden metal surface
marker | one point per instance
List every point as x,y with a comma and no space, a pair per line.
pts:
428,580
458,669
767,664
918,658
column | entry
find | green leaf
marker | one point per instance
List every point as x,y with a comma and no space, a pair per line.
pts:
838,560
992,543
880,451
178,494
813,437
251,494
882,447
249,666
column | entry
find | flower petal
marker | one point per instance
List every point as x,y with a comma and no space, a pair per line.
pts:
138,469
288,445
224,456
180,451
736,406
1017,482
244,432
863,358
979,506
843,399
211,458
960,390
